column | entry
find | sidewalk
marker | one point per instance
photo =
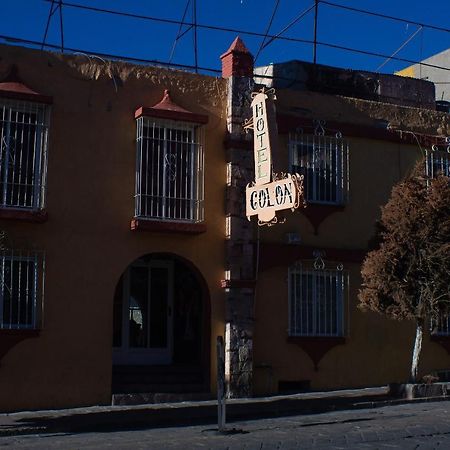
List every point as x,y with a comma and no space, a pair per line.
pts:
113,418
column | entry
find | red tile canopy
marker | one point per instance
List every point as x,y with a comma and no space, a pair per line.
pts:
13,87
168,109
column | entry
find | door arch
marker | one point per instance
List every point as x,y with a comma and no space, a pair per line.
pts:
162,314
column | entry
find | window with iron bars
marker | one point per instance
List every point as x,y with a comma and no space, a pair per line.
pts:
169,170
440,326
323,161
23,153
437,162
21,289
316,301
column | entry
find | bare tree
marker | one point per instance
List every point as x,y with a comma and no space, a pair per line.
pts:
407,276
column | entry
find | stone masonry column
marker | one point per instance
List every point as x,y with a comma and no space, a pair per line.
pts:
237,67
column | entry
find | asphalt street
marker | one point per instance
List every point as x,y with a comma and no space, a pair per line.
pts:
408,426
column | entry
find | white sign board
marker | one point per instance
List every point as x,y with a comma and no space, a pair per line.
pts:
265,200
265,197
261,140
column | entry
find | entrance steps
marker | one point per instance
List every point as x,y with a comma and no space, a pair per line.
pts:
133,385
158,397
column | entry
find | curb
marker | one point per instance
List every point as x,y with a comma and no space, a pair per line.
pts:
201,413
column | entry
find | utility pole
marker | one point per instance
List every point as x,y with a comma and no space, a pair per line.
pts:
221,388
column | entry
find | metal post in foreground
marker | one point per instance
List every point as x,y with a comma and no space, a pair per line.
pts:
221,412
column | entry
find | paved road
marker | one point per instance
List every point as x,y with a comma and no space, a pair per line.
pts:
411,426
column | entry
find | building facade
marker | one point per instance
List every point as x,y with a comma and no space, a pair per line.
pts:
430,69
126,249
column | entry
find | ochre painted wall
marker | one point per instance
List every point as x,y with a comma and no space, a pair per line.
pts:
88,242
377,350
90,201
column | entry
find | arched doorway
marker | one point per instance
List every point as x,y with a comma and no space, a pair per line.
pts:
161,326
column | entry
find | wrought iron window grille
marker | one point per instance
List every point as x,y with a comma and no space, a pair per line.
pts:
318,298
437,160
22,275
169,170
440,326
324,161
23,153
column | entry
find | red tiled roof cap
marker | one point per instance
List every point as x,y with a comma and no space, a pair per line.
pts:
168,104
237,46
13,87
168,109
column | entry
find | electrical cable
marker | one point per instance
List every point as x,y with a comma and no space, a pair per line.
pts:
109,55
395,58
179,34
187,66
194,16
277,2
177,22
53,8
50,14
254,33
384,16
289,25
61,25
401,47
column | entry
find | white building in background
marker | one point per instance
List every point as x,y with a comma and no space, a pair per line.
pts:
440,77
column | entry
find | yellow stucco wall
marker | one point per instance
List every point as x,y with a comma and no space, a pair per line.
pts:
90,202
408,72
377,350
88,242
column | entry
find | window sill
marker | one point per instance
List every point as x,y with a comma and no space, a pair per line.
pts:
316,346
160,226
441,339
318,212
237,284
24,215
10,338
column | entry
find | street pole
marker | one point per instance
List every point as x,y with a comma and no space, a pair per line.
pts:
221,411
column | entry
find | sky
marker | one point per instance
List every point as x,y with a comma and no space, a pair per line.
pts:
94,32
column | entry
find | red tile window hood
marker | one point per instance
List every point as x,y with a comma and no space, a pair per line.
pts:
168,109
12,87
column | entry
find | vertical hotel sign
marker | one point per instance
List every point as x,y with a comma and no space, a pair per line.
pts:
261,140
269,192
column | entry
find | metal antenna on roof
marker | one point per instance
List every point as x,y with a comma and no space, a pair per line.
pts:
316,13
194,20
53,8
400,48
277,2
289,25
180,34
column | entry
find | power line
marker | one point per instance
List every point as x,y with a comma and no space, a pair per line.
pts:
385,16
316,14
148,61
277,2
53,8
380,55
289,25
180,34
194,16
325,44
109,55
401,46
178,22
252,33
